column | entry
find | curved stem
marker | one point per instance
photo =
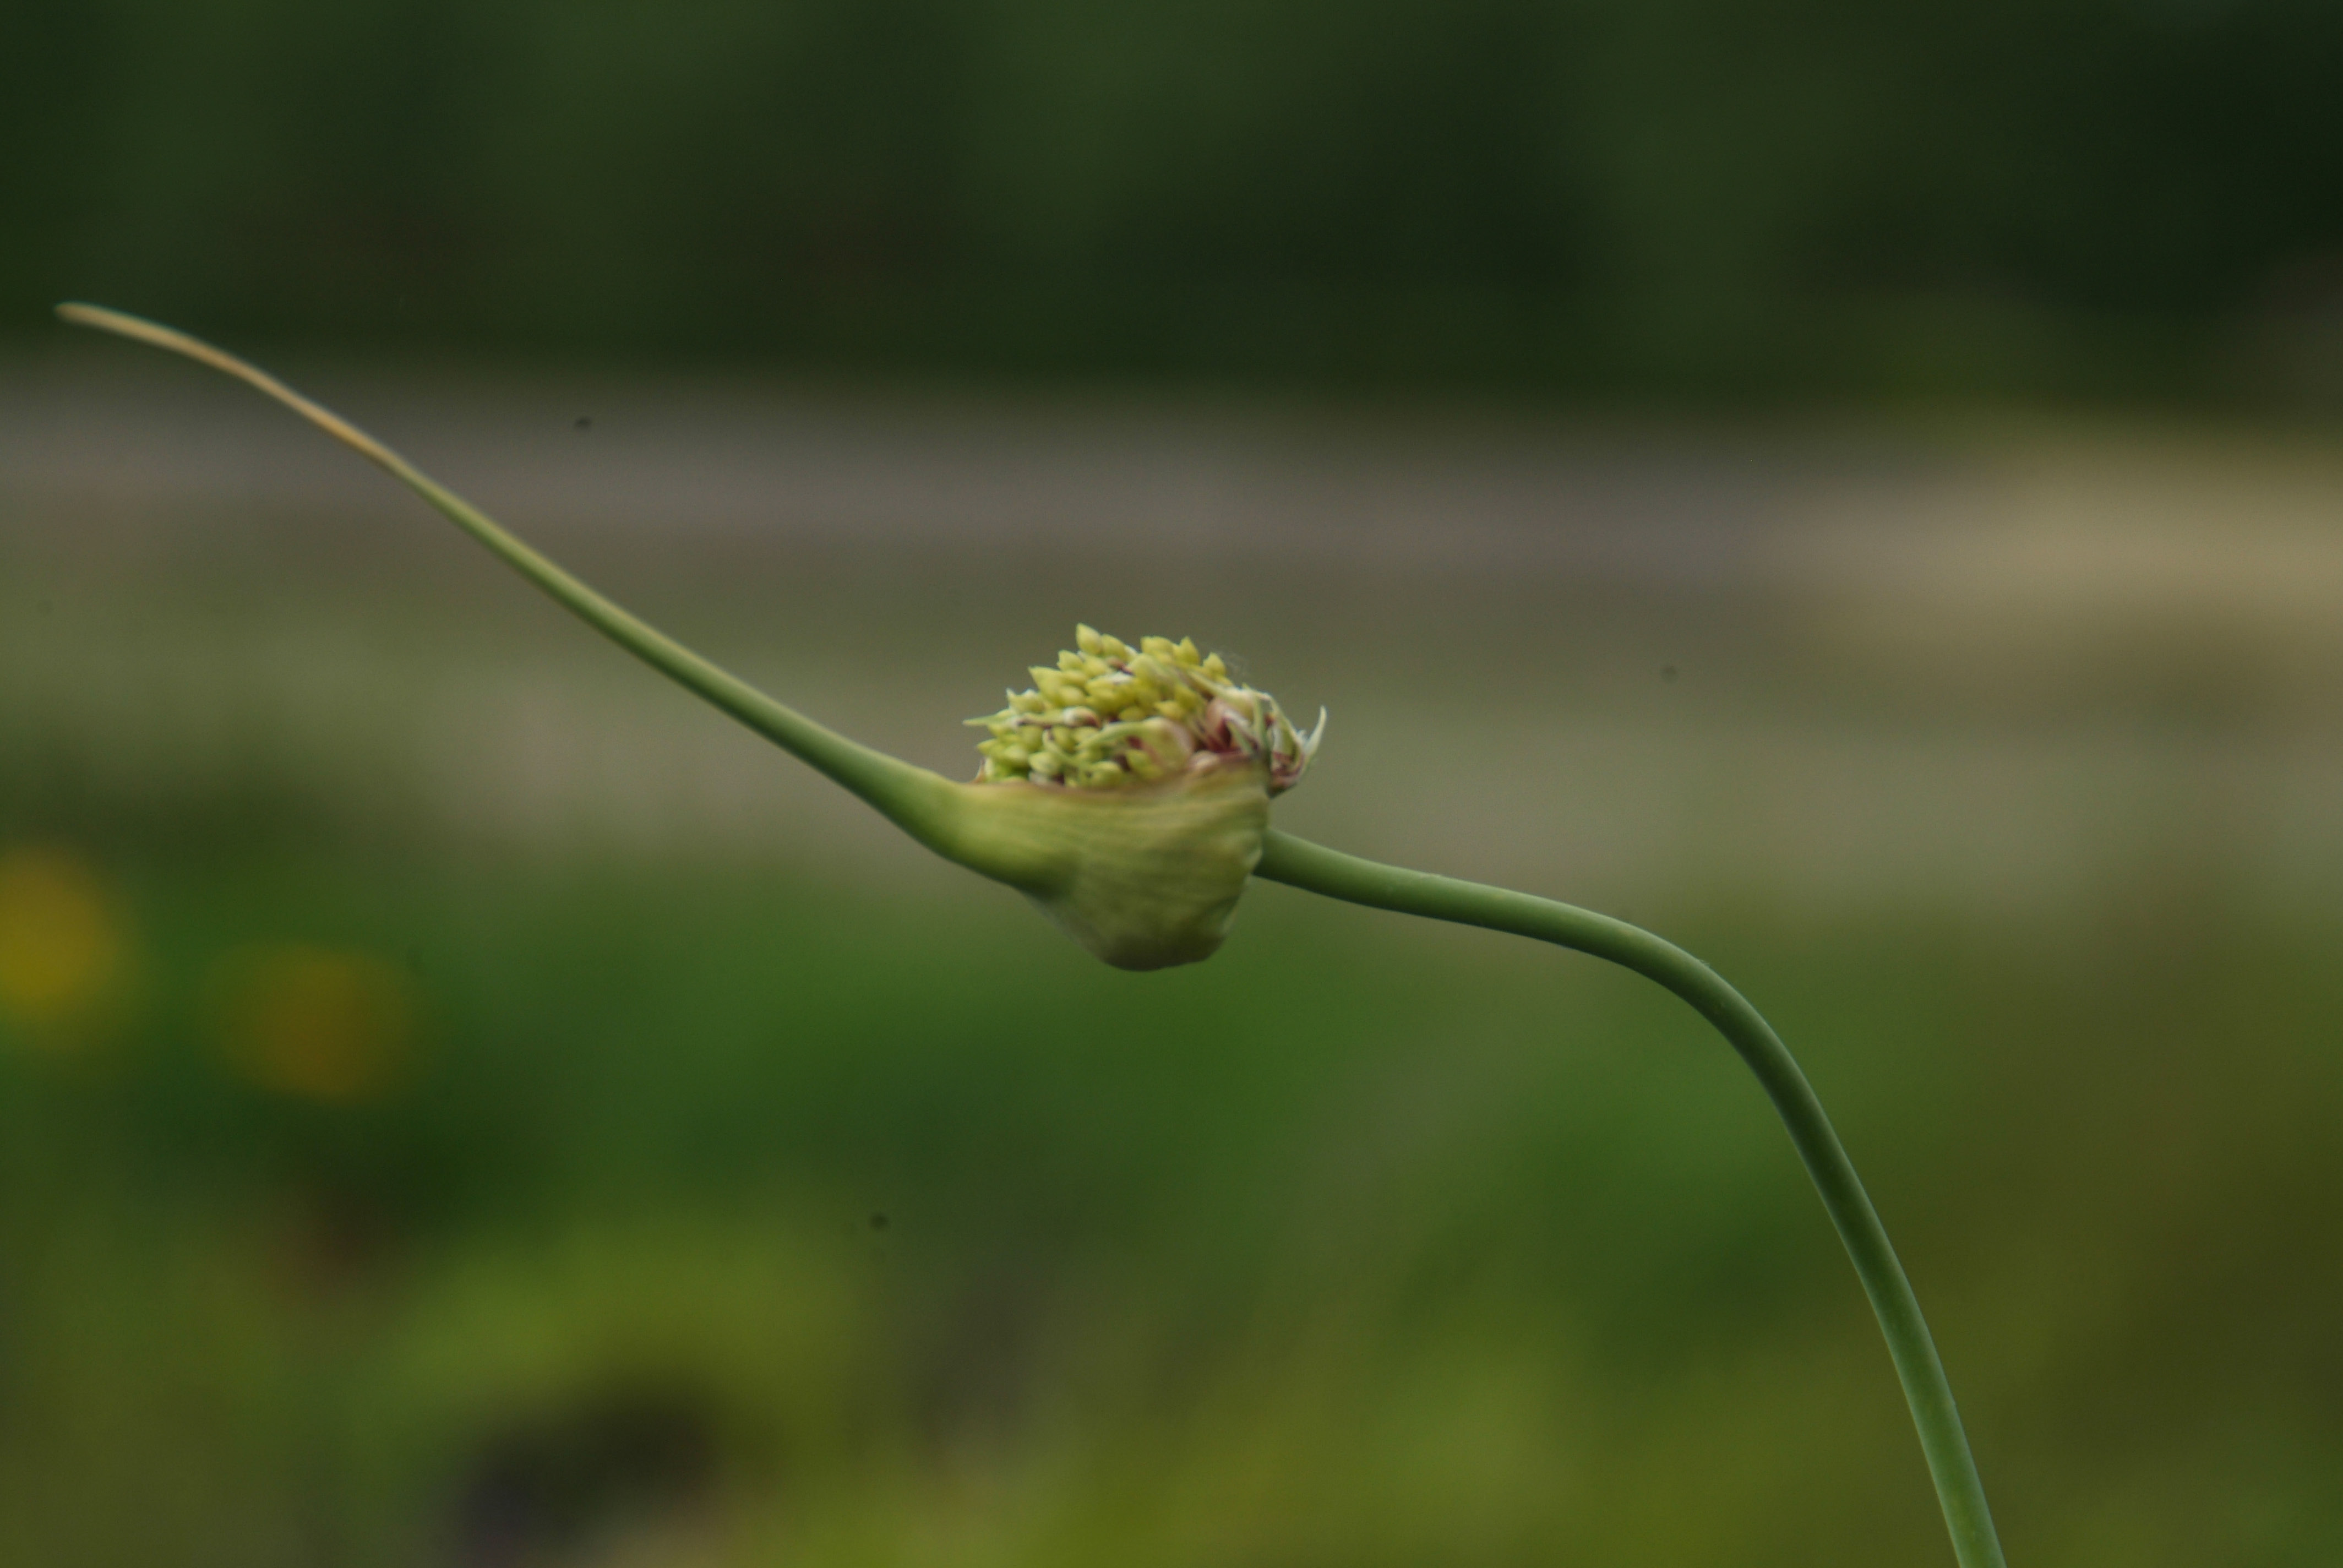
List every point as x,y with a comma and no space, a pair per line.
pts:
911,797
1301,864
922,803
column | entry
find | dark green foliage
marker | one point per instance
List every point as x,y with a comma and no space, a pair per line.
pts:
1683,197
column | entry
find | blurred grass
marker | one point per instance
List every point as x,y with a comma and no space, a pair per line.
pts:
672,1170
782,1222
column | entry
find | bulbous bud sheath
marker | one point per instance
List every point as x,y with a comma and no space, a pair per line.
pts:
1144,875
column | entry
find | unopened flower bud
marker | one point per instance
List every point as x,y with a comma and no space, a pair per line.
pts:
1126,794
1097,706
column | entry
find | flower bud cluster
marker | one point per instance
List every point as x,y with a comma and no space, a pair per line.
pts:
1110,716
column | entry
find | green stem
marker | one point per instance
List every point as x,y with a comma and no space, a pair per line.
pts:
927,806
1301,864
911,797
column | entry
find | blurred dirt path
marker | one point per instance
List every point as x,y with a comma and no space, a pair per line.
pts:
1990,666
2092,518
1438,489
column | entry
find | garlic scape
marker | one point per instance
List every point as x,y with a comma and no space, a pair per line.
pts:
1127,794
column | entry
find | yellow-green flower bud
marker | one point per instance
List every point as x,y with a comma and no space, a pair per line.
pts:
1094,708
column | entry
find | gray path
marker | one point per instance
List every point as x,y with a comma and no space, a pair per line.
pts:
1991,666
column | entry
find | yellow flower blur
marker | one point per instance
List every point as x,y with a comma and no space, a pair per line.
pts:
319,1023
62,946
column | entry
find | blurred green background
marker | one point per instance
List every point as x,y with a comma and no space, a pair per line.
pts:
1682,198
1855,489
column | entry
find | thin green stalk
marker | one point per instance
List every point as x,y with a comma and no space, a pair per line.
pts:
905,794
1104,863
1301,864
